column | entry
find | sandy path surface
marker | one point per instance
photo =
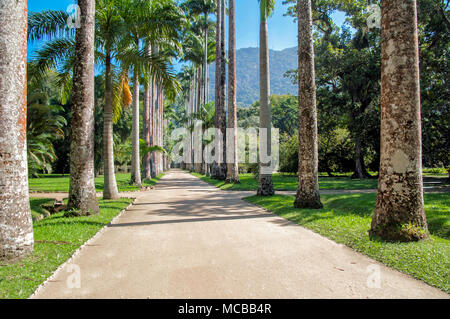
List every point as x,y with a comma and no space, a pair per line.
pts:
187,239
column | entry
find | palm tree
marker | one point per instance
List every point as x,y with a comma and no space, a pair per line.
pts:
113,51
82,194
308,155
45,124
109,28
157,23
219,169
265,184
399,211
16,229
233,170
204,7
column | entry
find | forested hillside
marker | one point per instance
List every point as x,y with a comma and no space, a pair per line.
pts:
248,76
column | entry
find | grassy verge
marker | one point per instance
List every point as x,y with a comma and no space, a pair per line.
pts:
56,239
289,182
346,220
58,183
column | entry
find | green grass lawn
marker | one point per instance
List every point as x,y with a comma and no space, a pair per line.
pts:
289,182
58,183
56,239
346,220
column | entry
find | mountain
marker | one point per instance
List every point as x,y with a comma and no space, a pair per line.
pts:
247,74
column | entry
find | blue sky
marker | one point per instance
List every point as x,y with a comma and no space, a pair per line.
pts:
282,30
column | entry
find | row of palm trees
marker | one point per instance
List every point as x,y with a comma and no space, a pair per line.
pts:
399,212
122,35
114,34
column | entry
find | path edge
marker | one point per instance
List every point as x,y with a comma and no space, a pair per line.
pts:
77,252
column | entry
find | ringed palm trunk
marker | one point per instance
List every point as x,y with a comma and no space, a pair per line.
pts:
110,190
223,118
197,142
232,171
135,159
205,63
82,195
146,127
217,90
399,211
265,184
308,156
152,129
16,229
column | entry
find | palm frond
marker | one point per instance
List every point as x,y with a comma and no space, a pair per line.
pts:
48,25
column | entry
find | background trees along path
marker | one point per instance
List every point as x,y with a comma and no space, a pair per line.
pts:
82,195
16,229
399,212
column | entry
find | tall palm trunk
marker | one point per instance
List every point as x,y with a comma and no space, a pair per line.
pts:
205,63
160,130
399,211
197,141
152,129
16,229
146,127
232,171
217,89
82,195
265,184
110,190
308,155
135,158
223,111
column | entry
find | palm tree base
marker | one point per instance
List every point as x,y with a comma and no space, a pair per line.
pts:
405,223
265,186
308,201
408,232
232,181
112,196
85,205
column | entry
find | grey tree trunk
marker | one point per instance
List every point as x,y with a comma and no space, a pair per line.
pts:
110,190
223,107
146,173
399,211
82,194
205,63
265,183
135,157
16,228
233,170
360,169
308,155
152,129
217,167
